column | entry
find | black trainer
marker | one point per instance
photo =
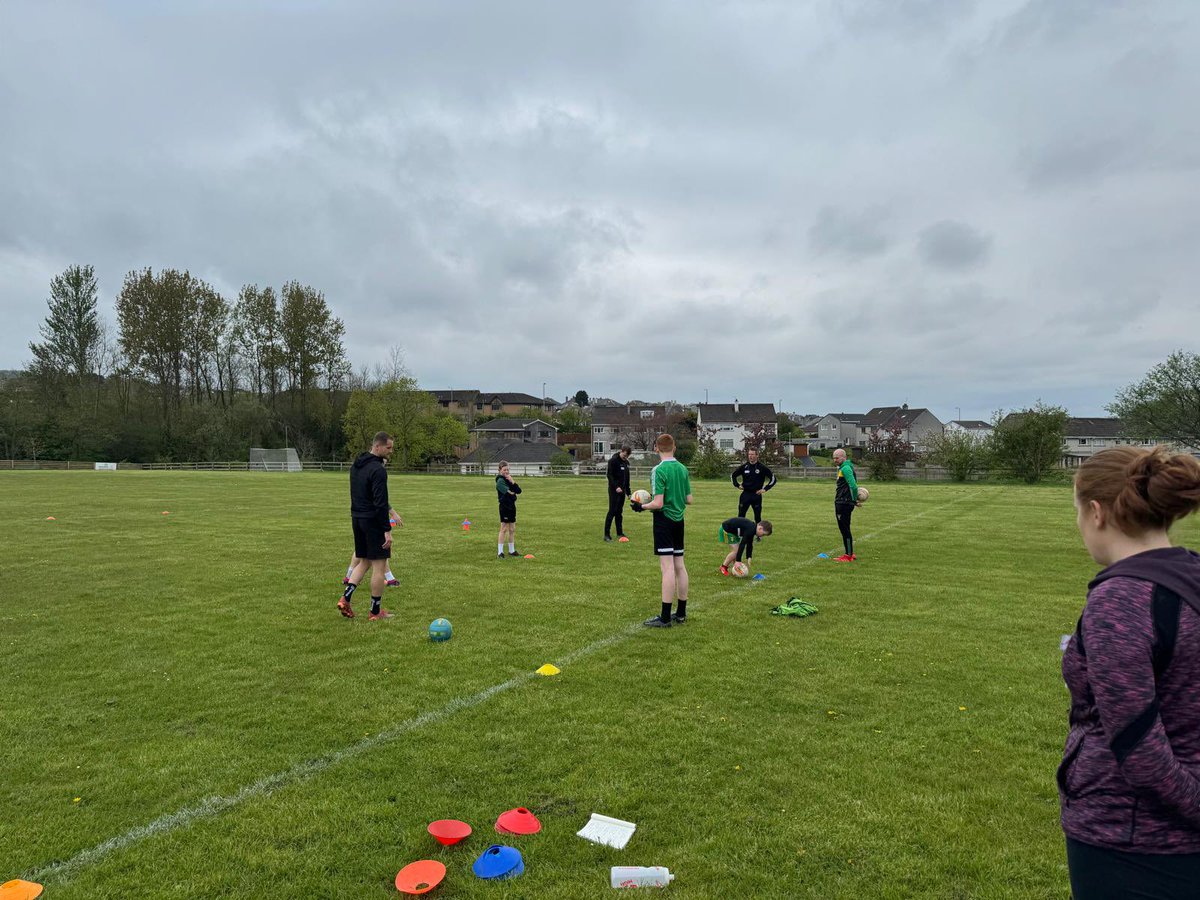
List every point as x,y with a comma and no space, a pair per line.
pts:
608,539
678,619
499,556
513,553
656,622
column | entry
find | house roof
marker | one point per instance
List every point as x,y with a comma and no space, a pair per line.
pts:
843,417
509,424
885,416
454,394
514,452
515,397
971,424
624,415
1088,427
746,413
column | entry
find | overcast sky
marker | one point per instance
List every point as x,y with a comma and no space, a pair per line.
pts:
835,204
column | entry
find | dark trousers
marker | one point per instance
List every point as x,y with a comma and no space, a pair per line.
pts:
616,506
750,500
843,511
1098,873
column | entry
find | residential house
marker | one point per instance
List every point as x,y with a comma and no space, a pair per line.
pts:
634,424
460,403
507,431
731,423
527,445
468,404
1085,437
974,427
837,430
916,425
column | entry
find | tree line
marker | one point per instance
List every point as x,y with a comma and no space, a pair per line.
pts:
187,374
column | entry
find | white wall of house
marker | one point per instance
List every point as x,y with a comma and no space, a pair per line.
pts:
517,470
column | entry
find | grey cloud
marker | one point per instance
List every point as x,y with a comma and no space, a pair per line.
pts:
658,197
852,234
953,246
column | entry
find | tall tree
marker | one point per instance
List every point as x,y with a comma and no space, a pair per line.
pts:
1030,442
256,323
151,315
1166,403
72,333
581,397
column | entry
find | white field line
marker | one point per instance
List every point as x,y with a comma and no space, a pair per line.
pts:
212,806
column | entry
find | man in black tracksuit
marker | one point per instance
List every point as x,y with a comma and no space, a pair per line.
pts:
370,520
756,480
618,492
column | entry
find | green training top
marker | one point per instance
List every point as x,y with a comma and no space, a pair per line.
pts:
670,478
847,486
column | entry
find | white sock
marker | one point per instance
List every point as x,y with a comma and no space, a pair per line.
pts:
500,548
511,547
349,571
389,576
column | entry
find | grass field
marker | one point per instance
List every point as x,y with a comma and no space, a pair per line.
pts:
186,715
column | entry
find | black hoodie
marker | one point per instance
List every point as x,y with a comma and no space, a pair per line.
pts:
1175,568
368,490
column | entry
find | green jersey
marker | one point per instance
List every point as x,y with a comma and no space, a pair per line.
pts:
670,478
847,484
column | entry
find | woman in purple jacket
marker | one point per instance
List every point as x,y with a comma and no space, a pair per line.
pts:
1129,783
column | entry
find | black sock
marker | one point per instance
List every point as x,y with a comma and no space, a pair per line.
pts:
681,608
375,604
666,612
850,546
349,591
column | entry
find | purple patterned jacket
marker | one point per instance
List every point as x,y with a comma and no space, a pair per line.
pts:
1130,775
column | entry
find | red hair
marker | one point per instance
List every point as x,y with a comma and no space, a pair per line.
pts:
1141,489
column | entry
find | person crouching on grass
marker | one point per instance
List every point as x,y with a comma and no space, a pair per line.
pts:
506,493
1129,782
746,532
672,490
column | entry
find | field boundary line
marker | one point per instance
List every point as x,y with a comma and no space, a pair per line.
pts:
213,806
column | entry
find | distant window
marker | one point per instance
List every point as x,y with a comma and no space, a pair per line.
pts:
598,447
479,406
726,443
647,414
542,432
1082,441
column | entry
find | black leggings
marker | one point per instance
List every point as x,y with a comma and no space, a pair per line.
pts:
1098,873
843,511
616,506
750,501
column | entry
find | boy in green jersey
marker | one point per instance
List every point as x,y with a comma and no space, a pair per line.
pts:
672,490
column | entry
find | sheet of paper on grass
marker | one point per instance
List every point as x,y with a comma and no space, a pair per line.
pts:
607,830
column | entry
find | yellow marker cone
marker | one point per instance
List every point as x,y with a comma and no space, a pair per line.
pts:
549,669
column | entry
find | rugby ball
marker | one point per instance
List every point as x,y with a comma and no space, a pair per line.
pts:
863,495
740,569
642,496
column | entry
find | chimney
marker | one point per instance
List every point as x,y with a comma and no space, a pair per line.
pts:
735,404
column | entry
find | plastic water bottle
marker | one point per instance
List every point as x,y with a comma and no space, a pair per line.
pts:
641,876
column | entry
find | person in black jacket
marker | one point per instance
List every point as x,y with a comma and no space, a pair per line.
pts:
370,521
506,493
618,492
756,480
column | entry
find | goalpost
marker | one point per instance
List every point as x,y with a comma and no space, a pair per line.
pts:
265,460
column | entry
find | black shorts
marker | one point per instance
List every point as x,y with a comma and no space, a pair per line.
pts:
508,513
368,539
668,536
